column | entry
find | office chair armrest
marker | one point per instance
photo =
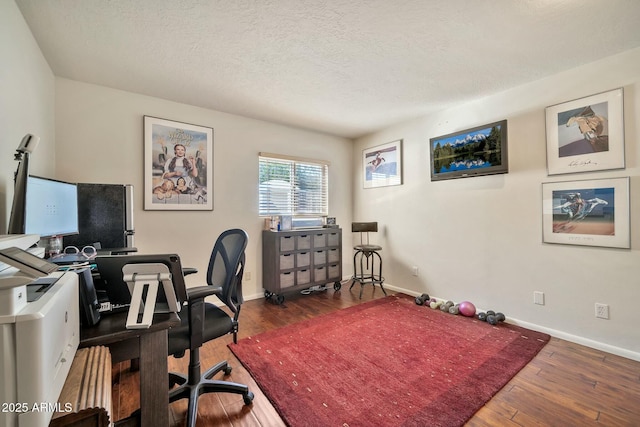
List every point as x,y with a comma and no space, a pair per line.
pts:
195,298
189,270
202,292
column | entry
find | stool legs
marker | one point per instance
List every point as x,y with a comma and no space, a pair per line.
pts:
368,275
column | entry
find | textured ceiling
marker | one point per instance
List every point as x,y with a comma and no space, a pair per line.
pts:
343,67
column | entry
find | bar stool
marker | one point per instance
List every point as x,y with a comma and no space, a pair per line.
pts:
366,252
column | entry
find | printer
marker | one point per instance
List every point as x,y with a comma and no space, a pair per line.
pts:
39,340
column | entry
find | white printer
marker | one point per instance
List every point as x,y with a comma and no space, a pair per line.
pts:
38,339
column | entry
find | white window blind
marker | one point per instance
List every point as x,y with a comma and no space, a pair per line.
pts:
293,186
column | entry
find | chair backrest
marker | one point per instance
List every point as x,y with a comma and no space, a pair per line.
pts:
226,267
364,227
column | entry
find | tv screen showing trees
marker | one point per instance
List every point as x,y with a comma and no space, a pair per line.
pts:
478,151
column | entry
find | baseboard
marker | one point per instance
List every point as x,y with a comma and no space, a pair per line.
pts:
618,351
253,296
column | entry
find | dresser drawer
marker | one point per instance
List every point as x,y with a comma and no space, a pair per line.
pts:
287,243
303,242
319,240
333,255
333,239
286,261
303,277
303,259
320,274
334,272
287,279
319,257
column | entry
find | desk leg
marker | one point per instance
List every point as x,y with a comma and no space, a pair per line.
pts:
154,383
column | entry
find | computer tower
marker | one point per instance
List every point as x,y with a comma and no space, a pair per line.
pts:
105,216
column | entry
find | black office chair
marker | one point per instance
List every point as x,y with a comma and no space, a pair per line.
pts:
202,322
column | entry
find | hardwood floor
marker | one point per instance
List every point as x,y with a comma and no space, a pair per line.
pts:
566,384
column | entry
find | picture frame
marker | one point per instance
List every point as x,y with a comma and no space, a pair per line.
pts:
481,150
586,134
588,212
382,165
178,166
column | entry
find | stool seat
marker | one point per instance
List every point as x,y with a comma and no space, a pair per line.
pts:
367,248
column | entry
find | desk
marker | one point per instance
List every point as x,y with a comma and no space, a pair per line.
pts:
150,345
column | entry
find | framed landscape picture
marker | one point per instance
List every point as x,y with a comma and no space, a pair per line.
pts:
590,212
481,150
382,165
178,172
586,134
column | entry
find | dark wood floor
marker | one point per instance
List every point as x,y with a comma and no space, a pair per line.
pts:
566,384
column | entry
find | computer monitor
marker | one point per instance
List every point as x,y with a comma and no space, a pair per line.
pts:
112,280
51,207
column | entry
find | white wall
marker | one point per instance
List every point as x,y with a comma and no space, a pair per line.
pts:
480,239
94,134
26,102
99,134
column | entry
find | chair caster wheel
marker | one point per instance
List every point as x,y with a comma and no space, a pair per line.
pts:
227,370
248,398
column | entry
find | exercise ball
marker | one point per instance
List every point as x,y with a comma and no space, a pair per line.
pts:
467,309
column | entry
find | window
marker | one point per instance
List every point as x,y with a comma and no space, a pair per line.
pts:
292,186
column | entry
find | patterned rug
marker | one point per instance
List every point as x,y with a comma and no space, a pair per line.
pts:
386,362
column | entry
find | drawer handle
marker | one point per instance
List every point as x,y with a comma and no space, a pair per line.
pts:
288,272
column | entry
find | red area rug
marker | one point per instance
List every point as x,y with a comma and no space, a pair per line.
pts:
387,362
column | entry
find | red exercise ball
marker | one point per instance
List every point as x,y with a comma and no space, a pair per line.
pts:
467,309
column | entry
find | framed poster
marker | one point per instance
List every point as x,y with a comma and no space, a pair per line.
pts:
382,165
481,150
586,134
591,212
178,167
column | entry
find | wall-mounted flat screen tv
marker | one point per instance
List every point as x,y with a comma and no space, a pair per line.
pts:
481,150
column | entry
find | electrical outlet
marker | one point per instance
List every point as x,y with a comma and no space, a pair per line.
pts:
538,297
414,270
247,275
602,311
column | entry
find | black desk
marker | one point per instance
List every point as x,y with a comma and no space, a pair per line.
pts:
150,346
